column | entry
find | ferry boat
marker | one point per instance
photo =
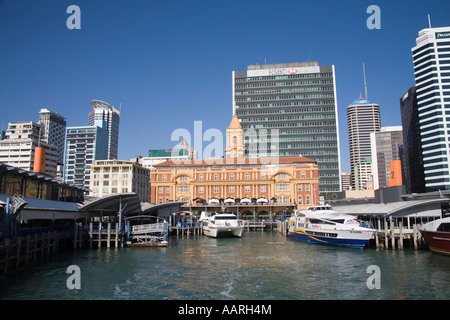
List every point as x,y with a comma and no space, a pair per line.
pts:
221,224
322,224
146,231
437,235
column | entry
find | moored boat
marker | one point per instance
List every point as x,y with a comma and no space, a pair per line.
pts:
220,224
146,231
323,225
437,235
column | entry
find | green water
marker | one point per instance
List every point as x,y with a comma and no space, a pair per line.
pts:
260,265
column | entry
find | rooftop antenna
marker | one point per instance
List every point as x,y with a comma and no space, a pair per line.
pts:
365,83
429,21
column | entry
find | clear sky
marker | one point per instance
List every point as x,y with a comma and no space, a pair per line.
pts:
168,63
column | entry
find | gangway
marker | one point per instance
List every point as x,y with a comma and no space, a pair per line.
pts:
146,234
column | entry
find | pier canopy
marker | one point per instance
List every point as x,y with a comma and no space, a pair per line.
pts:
418,208
129,205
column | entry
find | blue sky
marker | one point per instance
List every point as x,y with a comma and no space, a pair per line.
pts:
168,63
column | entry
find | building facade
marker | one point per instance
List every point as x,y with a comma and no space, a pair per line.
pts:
84,145
18,147
291,110
107,116
282,180
363,117
118,176
431,57
386,145
412,166
53,131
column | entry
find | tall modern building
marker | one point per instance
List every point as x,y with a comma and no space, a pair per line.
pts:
103,111
290,109
84,145
53,130
431,57
18,148
386,145
412,166
363,117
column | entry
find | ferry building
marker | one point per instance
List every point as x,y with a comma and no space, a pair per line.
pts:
237,180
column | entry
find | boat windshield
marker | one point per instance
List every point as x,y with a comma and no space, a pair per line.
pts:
225,218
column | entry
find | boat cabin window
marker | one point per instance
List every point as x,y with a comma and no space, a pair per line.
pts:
338,220
444,227
225,218
318,221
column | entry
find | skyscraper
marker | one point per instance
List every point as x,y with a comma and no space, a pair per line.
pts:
363,117
84,145
53,130
290,109
412,165
386,145
18,149
103,111
431,57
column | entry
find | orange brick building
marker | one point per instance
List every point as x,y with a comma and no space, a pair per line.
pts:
282,180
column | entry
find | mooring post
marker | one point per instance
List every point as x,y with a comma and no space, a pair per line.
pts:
415,236
100,234
400,226
91,233
108,235
392,235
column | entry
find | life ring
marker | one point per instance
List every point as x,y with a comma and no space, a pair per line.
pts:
291,223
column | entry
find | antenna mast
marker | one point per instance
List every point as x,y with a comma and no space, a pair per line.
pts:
429,21
365,83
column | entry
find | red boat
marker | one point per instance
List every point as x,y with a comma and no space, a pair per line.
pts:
437,235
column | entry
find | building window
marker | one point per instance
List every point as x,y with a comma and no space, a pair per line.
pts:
216,177
307,200
167,189
231,176
231,188
282,187
263,188
282,176
164,178
247,188
263,175
201,189
299,187
307,187
183,178
200,177
161,189
216,189
247,176
300,200
303,174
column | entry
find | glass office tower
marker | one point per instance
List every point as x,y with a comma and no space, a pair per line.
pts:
290,109
431,57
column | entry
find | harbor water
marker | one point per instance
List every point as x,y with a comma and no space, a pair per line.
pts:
260,265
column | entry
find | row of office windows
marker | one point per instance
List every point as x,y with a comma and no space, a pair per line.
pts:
283,84
282,77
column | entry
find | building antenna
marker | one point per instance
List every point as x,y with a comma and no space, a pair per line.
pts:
365,83
429,21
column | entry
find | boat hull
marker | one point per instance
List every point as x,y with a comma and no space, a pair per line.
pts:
438,242
149,244
223,232
357,242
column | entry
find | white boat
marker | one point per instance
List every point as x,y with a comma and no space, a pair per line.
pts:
322,224
218,224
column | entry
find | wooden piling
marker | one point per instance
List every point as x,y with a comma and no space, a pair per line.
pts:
400,240
415,230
